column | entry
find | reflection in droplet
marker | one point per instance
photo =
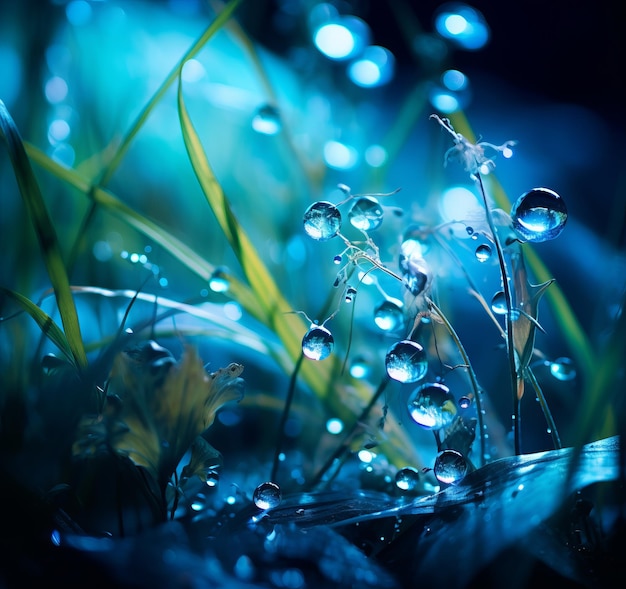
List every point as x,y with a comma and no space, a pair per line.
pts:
322,220
267,495
539,215
498,303
465,402
407,479
483,252
267,120
413,268
563,369
450,467
432,406
406,361
317,343
366,213
389,315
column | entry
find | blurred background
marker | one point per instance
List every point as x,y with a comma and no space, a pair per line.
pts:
296,96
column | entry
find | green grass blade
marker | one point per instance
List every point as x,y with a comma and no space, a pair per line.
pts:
46,235
213,28
48,327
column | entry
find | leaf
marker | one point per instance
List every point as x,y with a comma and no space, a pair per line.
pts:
46,235
47,325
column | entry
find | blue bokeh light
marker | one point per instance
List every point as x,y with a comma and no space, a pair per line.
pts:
463,25
374,68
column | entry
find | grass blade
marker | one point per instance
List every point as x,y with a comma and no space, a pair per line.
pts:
46,235
215,26
47,325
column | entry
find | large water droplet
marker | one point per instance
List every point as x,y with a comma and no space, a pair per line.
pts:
267,120
267,495
498,303
450,467
317,343
322,220
413,267
406,361
407,479
539,215
218,281
366,213
483,252
432,406
563,369
389,315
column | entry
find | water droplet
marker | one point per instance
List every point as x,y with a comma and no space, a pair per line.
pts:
198,503
432,406
413,267
267,120
350,294
366,213
406,361
407,479
450,467
337,259
317,343
470,230
465,402
360,368
563,369
322,220
267,495
539,215
218,281
483,252
498,303
389,315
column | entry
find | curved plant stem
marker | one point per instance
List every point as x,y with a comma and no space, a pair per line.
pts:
556,440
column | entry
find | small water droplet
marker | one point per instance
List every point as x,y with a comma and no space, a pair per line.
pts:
406,361
389,315
350,294
267,120
539,215
366,213
322,220
317,343
432,406
483,252
407,479
465,402
218,281
498,303
413,267
267,495
337,259
470,230
450,467
198,503
563,369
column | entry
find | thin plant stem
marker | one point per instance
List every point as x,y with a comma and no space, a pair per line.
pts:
336,455
556,440
283,419
509,321
471,373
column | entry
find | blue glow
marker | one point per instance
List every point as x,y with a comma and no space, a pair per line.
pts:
78,12
334,41
339,155
376,156
374,68
463,25
454,80
459,203
11,79
56,90
59,130
443,101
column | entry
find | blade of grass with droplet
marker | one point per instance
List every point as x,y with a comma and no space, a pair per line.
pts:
46,235
211,30
47,325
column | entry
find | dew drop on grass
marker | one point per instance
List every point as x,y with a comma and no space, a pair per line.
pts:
389,315
322,220
539,215
267,495
218,281
483,252
267,120
413,267
563,369
465,402
432,406
406,361
317,343
366,213
450,467
407,479
498,303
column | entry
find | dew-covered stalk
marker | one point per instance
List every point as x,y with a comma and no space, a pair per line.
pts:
556,440
470,371
509,321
